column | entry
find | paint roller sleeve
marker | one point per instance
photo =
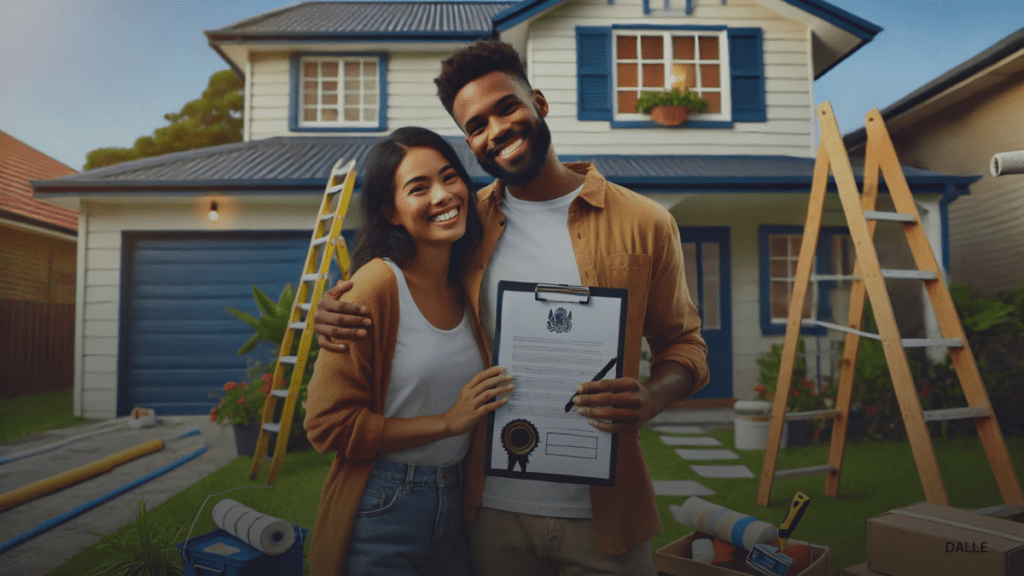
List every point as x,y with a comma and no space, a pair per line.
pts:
267,534
740,530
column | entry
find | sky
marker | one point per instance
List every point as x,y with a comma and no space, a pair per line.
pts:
76,75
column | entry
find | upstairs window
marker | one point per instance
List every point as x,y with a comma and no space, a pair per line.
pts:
654,61
343,92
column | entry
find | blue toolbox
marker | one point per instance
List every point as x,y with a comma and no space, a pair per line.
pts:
220,553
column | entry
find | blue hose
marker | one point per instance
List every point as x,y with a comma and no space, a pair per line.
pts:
52,522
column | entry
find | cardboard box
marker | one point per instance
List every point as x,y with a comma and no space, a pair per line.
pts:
674,560
861,570
934,540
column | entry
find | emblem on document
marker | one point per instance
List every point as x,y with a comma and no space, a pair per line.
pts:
559,320
519,438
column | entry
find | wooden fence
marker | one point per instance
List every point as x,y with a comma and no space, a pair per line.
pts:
37,347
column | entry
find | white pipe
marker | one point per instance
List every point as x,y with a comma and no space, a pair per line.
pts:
1007,163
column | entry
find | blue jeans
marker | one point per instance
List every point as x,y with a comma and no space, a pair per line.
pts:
409,522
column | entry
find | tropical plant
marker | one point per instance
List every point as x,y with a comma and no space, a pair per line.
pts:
147,550
674,97
804,394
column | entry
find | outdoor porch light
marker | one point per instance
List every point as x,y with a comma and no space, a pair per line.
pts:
213,212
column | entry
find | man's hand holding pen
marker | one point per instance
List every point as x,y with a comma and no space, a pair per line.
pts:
618,405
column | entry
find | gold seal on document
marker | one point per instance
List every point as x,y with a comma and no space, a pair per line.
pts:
519,438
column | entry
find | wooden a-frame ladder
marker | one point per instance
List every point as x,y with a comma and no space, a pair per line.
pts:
327,242
869,280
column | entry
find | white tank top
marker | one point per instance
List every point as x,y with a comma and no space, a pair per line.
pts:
428,371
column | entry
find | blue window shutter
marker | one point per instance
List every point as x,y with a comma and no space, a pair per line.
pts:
593,73
746,63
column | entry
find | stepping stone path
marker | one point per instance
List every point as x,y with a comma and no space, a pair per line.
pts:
690,488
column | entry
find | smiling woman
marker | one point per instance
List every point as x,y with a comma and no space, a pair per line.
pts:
394,406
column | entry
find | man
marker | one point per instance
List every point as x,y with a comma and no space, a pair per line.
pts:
554,223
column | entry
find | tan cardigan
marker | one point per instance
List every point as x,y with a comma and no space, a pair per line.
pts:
344,413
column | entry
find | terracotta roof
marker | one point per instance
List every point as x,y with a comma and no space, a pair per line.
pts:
20,163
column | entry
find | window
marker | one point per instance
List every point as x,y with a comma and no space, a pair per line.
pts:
339,92
656,60
827,293
615,64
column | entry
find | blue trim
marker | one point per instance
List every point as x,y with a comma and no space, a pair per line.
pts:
769,328
721,337
689,7
593,73
948,197
688,124
293,97
667,27
519,14
647,7
836,16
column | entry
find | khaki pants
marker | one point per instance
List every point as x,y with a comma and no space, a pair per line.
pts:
510,544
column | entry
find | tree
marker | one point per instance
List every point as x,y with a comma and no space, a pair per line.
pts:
215,118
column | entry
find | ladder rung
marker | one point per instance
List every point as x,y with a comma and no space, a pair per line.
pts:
311,277
810,415
297,325
833,278
794,472
272,426
907,342
840,327
909,274
280,392
888,216
321,240
326,217
956,413
306,306
927,342
336,189
289,359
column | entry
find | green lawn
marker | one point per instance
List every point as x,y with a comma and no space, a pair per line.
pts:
876,477
25,415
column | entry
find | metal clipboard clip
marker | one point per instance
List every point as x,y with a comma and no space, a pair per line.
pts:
562,293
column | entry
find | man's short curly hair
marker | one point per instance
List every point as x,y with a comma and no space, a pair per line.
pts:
474,61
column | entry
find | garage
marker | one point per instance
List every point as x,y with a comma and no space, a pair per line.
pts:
178,344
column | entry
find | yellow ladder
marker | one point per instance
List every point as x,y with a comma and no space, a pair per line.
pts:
869,279
327,242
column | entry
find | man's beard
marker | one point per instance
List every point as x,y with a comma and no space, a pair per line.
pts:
539,146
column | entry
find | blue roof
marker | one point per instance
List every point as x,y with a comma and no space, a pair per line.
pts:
363,20
290,164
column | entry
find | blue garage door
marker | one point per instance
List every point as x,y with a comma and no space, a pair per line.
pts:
178,344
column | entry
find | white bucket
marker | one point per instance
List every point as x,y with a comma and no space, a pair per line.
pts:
752,434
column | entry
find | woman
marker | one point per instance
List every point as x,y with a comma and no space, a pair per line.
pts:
398,406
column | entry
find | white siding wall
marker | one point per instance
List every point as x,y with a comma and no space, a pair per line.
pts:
96,383
788,82
411,93
744,213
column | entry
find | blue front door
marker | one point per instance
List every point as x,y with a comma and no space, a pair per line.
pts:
706,256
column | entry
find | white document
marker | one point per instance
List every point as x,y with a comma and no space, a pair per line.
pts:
549,347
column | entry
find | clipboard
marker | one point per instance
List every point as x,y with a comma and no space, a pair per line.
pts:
552,337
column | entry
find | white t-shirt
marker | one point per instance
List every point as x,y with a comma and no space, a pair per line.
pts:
428,371
534,247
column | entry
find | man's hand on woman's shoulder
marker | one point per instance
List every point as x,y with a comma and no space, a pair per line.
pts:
336,321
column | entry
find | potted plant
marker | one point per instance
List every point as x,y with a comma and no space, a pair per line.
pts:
241,406
670,108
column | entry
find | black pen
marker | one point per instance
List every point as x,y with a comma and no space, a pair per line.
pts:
599,376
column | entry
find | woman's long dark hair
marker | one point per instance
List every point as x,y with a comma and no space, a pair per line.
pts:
378,238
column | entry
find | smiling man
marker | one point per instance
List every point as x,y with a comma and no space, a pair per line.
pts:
550,222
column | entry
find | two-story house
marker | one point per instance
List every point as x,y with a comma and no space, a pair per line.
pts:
325,79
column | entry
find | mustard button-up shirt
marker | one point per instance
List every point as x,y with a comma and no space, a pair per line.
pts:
621,240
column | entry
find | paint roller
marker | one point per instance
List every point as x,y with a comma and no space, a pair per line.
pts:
267,534
64,479
772,561
1007,163
740,530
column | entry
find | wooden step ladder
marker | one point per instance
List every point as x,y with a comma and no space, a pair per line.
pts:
861,218
327,242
